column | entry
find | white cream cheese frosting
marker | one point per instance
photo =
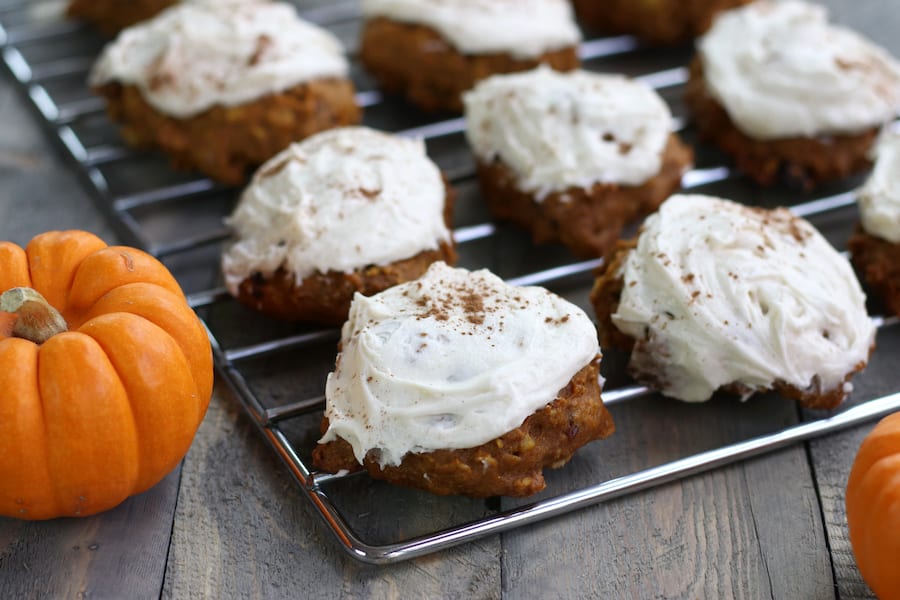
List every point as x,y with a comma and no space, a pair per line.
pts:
520,28
781,70
559,130
717,293
196,55
337,201
879,198
452,360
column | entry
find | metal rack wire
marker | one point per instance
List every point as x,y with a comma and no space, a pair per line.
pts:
49,58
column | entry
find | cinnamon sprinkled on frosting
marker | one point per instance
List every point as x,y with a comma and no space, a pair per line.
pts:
337,201
452,360
717,293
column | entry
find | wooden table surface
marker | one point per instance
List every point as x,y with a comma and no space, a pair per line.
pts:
230,521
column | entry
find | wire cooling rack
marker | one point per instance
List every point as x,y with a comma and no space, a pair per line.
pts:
277,370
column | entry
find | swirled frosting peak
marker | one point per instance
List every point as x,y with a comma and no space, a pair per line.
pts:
452,360
781,70
197,55
558,130
520,28
879,199
337,201
716,293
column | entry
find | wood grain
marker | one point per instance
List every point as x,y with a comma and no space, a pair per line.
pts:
832,458
243,530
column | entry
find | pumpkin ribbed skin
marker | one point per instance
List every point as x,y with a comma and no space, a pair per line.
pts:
107,409
873,508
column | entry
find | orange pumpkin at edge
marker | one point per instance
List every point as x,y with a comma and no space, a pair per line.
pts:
107,408
873,508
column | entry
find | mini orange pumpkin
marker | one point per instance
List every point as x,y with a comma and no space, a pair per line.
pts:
94,414
873,508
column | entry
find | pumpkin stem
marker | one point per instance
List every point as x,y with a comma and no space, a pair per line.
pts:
37,320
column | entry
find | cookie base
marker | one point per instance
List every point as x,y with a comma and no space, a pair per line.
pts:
510,465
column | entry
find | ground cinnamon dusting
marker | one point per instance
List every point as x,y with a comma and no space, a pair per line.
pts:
263,43
473,305
470,298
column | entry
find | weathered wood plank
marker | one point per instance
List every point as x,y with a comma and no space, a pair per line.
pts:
832,458
37,192
120,553
242,529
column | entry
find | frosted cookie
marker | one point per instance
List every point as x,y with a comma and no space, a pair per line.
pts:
713,295
789,95
875,247
655,22
432,50
573,157
345,211
222,87
459,383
